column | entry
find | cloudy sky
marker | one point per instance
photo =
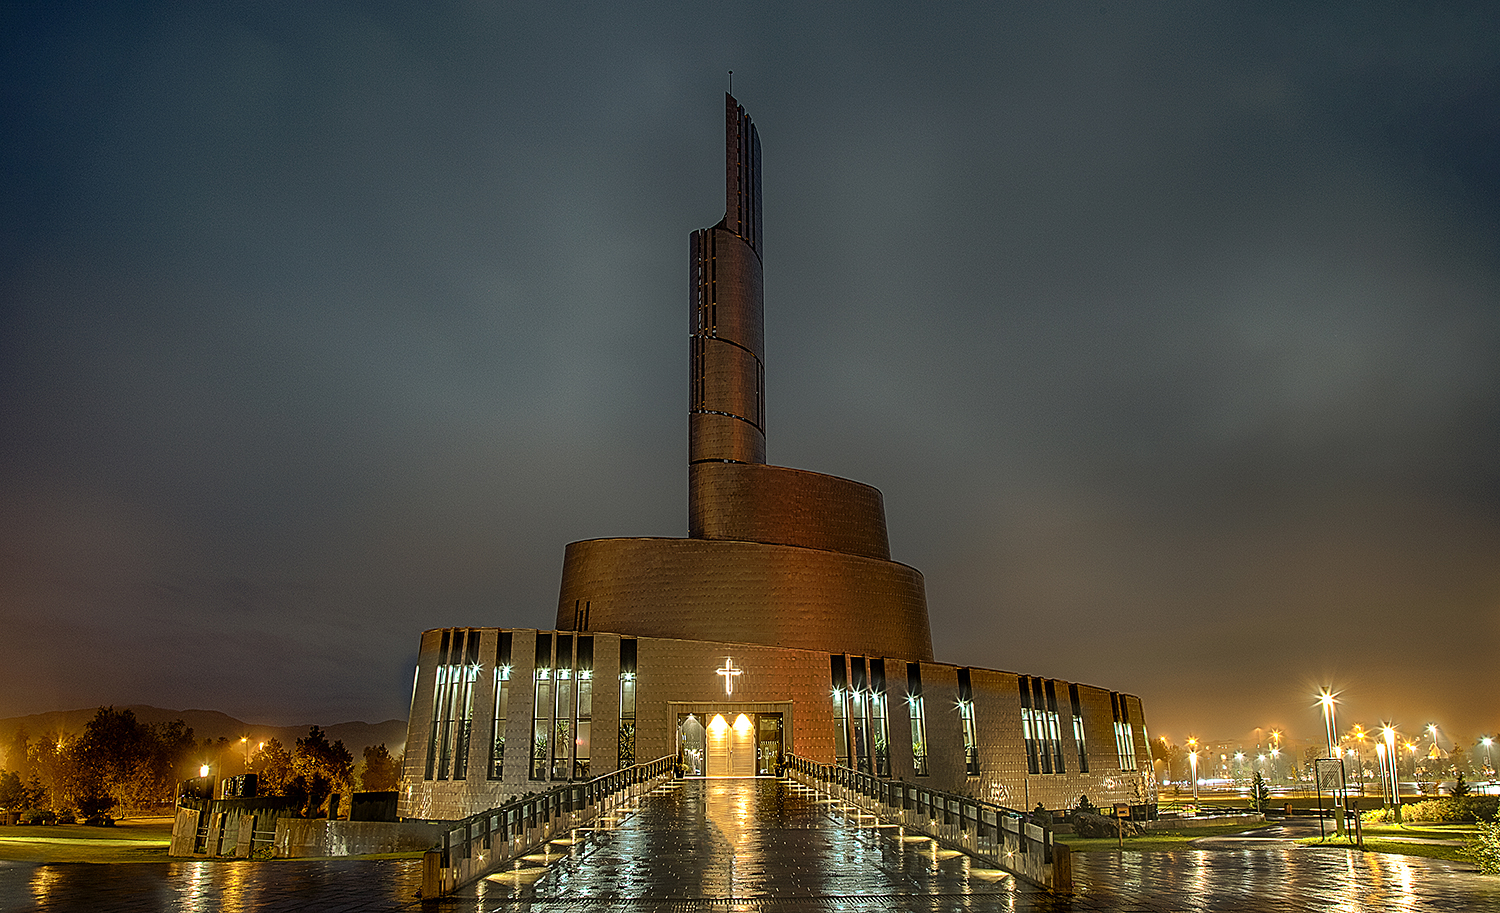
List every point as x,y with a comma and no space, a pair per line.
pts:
1171,333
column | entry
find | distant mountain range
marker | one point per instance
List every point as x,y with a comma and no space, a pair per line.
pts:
211,724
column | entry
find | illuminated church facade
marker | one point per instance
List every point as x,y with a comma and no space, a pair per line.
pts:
779,626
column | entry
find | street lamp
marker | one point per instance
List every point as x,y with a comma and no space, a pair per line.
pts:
1193,763
1488,768
1326,700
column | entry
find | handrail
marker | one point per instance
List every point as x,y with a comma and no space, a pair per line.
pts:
472,846
1000,835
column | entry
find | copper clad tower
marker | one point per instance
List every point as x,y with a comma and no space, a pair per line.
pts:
774,555
727,412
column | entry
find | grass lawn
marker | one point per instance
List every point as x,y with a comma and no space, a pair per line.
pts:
1150,842
1374,844
131,840
1424,831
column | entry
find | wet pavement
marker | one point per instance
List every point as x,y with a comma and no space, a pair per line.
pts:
765,845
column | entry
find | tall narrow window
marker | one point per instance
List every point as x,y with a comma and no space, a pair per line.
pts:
468,674
585,720
502,706
439,692
918,719
541,708
1028,728
626,751
966,718
565,714
859,713
1124,732
880,727
1080,738
1054,728
840,711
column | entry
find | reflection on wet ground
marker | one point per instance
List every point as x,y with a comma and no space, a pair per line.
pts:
772,846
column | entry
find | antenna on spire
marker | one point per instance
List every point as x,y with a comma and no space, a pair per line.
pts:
731,82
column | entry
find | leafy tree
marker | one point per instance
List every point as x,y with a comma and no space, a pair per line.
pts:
314,755
273,763
380,772
18,753
12,792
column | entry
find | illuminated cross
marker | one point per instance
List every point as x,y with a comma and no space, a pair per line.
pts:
729,672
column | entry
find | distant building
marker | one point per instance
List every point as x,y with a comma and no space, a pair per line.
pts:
779,625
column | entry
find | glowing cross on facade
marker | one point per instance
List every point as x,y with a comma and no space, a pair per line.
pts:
729,672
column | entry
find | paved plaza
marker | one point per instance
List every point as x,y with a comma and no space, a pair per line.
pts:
767,845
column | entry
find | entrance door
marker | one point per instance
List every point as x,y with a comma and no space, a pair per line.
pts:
730,748
768,734
690,744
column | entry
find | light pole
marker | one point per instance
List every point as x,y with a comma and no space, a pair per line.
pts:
1325,698
1384,776
1389,732
1193,763
1489,769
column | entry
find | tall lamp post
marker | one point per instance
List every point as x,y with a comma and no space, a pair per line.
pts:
1325,698
1489,769
1391,759
1193,764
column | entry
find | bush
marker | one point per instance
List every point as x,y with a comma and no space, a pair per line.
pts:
1484,847
1459,810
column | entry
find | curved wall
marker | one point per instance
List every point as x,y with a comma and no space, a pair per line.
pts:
745,592
773,504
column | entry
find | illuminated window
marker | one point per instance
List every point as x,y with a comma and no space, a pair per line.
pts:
584,722
626,741
502,706
435,733
1080,739
880,727
467,674
840,710
541,708
918,719
565,714
1029,727
1124,732
966,717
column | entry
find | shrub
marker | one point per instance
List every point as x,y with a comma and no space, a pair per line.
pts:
1452,810
1484,847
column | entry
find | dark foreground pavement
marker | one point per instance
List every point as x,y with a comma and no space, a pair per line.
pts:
764,845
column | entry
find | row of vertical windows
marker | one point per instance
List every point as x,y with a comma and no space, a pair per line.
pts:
1124,731
562,707
453,705
918,710
1040,727
860,714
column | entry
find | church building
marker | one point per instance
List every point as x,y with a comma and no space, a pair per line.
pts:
779,625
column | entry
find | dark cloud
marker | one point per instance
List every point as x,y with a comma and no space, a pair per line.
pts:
1167,330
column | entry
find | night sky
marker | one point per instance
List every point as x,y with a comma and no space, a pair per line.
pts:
1171,333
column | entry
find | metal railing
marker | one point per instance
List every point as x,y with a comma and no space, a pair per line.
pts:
993,833
480,843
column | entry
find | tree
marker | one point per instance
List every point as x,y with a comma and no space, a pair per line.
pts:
1460,786
319,769
1260,793
273,764
381,772
12,792
18,753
